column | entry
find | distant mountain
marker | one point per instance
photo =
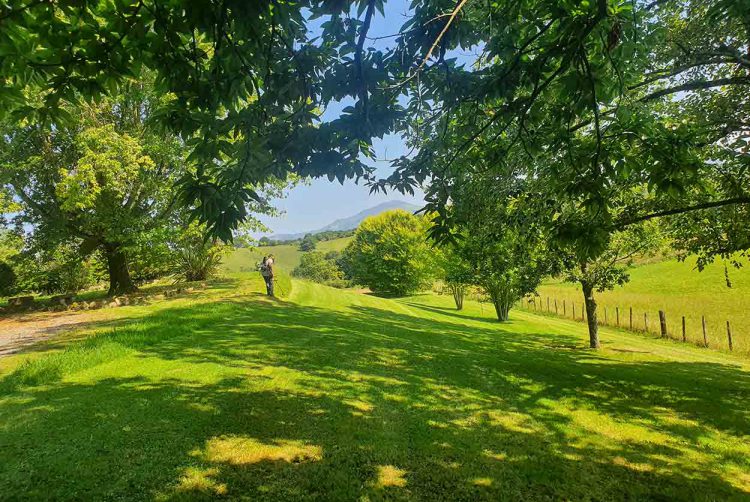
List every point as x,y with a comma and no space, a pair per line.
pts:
352,221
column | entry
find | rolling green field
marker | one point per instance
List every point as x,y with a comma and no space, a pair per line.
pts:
333,395
287,255
679,290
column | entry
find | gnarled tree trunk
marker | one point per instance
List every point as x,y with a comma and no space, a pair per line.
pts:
117,267
593,323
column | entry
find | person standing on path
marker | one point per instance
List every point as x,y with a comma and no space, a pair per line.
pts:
266,270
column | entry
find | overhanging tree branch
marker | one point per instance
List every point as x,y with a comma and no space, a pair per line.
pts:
696,85
625,222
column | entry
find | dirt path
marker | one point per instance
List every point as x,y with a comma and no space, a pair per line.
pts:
20,331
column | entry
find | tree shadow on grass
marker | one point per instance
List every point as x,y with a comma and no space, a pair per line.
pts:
281,401
458,314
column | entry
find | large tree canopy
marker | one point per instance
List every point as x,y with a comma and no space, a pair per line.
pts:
243,82
603,100
601,96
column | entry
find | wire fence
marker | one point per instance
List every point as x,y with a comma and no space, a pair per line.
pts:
697,328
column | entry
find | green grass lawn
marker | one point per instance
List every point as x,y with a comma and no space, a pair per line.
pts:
287,255
333,395
678,289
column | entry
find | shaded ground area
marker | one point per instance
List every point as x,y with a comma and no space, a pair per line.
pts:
340,396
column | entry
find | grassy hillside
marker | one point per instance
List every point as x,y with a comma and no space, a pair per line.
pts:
332,395
287,255
680,290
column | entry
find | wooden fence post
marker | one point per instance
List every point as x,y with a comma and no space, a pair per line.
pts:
631,318
564,315
555,306
645,321
705,338
617,314
663,323
729,336
684,338
533,299
548,304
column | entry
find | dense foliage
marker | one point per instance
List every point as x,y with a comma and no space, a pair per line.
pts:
320,267
243,83
390,254
307,243
99,183
197,258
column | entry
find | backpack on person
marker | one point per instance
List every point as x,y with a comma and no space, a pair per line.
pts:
264,269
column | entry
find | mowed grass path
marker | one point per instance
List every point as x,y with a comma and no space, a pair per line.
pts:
332,395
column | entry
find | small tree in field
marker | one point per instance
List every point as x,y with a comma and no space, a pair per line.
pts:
609,268
390,254
507,266
458,274
198,258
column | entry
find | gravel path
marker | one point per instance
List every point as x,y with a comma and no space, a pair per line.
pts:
20,331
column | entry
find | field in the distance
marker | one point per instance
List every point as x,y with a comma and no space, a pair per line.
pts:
287,255
678,289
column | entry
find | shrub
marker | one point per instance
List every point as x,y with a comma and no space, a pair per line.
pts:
318,267
390,254
60,270
307,244
457,274
197,258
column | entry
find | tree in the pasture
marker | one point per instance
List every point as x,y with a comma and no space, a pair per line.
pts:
307,244
507,266
390,254
457,274
609,268
319,267
99,183
503,241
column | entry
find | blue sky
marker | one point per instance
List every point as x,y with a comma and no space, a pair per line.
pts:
312,206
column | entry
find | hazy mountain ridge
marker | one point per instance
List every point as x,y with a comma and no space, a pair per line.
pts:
351,222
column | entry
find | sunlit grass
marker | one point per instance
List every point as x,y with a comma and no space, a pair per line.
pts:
332,395
678,289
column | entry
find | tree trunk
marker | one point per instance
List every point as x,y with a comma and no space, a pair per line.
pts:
593,323
119,275
501,309
458,296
